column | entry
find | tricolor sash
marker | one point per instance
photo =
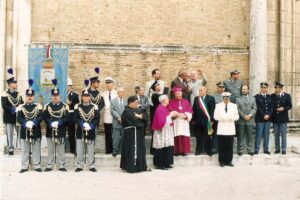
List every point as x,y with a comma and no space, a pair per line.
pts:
204,109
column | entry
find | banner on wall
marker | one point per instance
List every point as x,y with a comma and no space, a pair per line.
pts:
45,64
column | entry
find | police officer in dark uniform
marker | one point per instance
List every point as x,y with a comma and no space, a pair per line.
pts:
10,100
30,116
87,118
263,117
56,117
282,103
72,100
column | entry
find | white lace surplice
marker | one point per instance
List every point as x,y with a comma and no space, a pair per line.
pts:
182,126
165,137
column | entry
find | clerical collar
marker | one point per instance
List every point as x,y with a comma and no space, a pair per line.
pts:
181,80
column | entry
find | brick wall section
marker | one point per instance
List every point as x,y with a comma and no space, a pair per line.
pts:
190,22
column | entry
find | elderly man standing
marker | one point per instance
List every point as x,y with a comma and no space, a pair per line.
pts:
195,83
181,122
245,125
203,111
117,107
181,82
234,85
108,95
163,137
226,113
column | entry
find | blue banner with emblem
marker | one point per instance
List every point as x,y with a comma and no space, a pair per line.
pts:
45,64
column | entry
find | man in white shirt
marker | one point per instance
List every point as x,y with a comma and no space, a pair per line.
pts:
195,83
108,95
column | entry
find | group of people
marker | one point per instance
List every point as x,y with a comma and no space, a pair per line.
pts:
214,120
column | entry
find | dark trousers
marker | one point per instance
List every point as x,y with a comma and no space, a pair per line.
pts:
108,138
203,139
71,133
225,148
152,111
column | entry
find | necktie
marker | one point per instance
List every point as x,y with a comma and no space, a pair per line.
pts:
109,97
226,108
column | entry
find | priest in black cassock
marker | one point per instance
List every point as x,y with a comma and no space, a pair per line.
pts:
133,158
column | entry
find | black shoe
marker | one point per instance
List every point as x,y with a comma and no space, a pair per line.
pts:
240,153
62,169
38,170
114,154
209,154
23,170
277,152
169,166
93,170
230,165
11,153
47,170
197,153
283,152
255,152
78,170
267,152
251,153
162,168
222,164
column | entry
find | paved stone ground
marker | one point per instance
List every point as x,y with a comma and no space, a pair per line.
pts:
184,183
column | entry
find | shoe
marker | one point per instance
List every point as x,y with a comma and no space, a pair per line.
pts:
47,169
169,166
38,170
114,154
209,154
11,153
148,169
23,170
251,153
230,165
93,170
283,152
255,152
161,168
277,152
78,170
62,169
240,153
267,152
197,153
222,164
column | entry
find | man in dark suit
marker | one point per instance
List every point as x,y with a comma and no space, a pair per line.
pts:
282,103
72,100
181,81
203,111
263,117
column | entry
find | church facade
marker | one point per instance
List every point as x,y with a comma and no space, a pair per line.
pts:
127,39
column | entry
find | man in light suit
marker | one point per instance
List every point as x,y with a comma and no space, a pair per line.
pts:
245,125
108,95
234,85
117,107
226,113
